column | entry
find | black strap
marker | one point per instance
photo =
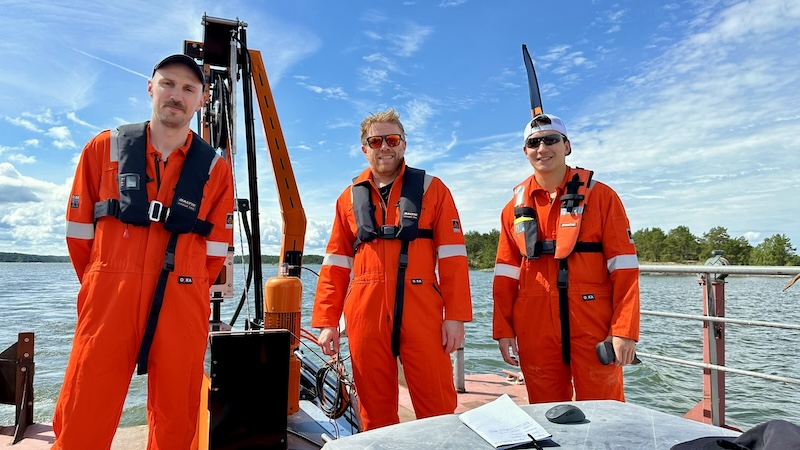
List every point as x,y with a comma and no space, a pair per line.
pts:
548,247
155,308
132,145
399,298
563,309
572,199
111,207
410,206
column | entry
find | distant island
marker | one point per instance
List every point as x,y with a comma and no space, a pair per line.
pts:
22,257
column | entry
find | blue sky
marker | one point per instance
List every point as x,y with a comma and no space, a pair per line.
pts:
689,109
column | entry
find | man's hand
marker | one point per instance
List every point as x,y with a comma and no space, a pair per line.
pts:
452,335
624,350
509,350
329,341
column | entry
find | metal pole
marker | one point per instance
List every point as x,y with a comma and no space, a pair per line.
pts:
459,371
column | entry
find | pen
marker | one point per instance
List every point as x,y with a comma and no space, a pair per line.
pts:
535,442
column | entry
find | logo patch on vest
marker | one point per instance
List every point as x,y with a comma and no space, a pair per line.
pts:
416,281
569,225
410,215
182,202
456,226
587,297
128,182
229,221
184,280
75,201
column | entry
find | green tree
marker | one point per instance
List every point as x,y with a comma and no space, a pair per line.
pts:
776,250
649,244
737,251
714,239
481,248
681,245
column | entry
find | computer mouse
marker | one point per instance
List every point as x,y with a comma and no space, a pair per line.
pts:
564,414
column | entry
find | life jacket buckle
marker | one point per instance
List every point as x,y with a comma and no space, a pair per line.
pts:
562,278
387,232
157,212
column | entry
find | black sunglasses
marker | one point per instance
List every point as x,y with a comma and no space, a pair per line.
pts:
550,139
392,140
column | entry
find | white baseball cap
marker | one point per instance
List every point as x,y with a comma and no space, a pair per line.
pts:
555,124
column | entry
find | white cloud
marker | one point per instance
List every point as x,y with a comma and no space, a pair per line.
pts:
22,159
61,137
24,123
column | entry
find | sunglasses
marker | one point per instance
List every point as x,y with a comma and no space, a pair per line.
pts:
550,139
392,140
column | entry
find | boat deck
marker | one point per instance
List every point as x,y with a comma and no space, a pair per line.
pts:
481,389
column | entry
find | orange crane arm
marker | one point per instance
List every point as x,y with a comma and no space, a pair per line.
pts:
292,213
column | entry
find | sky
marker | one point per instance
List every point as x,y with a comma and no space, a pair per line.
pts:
689,109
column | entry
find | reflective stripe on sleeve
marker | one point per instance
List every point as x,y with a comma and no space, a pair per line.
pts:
505,270
447,251
338,260
77,230
622,262
214,248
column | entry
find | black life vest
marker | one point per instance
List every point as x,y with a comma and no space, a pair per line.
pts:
410,208
129,147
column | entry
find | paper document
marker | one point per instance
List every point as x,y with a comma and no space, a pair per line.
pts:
503,423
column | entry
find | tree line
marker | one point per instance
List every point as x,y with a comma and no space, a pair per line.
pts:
274,259
21,257
678,245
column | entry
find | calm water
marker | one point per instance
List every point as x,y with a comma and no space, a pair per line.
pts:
41,298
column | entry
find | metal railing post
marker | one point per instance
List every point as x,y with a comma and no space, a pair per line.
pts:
459,371
713,351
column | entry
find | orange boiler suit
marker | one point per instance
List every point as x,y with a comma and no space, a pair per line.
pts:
368,301
603,291
118,266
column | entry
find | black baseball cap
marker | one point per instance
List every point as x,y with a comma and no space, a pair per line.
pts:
188,61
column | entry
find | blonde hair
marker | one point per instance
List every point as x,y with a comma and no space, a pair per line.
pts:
389,116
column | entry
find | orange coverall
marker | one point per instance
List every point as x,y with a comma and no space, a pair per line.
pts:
603,297
118,266
368,302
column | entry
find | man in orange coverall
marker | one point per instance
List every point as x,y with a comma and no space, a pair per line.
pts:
419,318
566,276
138,236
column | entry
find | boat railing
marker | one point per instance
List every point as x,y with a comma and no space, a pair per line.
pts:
711,409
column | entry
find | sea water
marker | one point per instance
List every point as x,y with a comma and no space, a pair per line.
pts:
40,297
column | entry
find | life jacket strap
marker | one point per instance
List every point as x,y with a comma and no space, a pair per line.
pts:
572,199
548,247
563,293
399,298
157,212
563,309
155,307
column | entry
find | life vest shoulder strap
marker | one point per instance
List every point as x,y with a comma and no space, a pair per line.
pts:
129,147
414,186
573,201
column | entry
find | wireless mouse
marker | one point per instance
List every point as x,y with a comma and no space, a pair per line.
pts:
564,414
